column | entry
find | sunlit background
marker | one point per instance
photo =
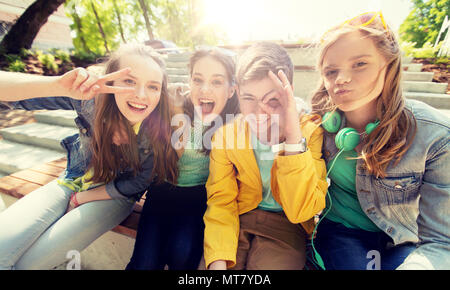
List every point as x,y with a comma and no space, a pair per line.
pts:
291,20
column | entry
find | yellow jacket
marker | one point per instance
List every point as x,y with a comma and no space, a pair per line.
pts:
234,186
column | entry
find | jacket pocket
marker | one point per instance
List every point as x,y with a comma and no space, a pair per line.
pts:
76,161
403,188
399,198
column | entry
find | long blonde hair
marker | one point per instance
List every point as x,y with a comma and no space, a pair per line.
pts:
397,128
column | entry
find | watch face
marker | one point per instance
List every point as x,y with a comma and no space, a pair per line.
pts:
300,147
303,143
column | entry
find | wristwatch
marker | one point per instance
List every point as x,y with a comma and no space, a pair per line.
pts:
299,147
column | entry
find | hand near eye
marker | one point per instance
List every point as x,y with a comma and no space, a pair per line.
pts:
289,113
83,85
178,92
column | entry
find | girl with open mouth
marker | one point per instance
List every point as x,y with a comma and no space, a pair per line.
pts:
170,230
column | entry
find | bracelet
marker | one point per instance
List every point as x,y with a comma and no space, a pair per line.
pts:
73,198
300,147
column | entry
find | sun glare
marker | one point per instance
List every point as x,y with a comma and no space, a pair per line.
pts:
236,17
290,20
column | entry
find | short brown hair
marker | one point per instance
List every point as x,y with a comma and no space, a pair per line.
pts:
259,59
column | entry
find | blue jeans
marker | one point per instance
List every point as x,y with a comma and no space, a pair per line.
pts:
343,248
171,229
35,232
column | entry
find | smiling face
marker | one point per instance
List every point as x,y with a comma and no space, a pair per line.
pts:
264,121
353,72
210,88
146,77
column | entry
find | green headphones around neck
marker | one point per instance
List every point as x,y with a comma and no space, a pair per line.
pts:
347,138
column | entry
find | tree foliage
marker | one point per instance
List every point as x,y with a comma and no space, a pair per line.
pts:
424,22
132,21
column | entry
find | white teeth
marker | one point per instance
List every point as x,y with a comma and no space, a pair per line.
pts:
137,106
206,101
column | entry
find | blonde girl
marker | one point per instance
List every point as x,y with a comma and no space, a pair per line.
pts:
388,158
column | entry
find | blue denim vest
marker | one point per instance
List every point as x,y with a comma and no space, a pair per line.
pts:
126,185
412,203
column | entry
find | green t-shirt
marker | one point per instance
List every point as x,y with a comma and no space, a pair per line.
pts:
193,165
345,207
264,158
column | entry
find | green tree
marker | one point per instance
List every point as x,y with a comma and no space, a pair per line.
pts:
424,22
174,21
119,20
95,26
147,13
102,25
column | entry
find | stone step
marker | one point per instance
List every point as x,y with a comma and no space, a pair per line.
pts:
439,101
407,59
417,76
15,156
38,134
57,117
177,71
179,57
178,79
412,67
425,87
176,64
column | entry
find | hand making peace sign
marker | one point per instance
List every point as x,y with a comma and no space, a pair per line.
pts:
83,85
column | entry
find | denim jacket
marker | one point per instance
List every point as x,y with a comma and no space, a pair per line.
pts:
125,185
412,203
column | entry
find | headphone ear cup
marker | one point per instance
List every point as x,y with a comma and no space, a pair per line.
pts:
371,126
347,139
331,121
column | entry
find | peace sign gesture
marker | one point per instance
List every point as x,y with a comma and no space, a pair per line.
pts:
81,84
289,113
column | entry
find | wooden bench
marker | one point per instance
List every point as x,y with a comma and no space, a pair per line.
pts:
23,182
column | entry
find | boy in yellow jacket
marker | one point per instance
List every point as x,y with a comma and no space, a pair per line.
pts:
266,172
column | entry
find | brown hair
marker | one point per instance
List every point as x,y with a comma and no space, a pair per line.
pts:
397,128
107,158
232,105
259,59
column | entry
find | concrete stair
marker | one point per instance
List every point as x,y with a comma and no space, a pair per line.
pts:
412,67
39,135
418,85
424,87
16,156
418,76
31,144
177,67
439,101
